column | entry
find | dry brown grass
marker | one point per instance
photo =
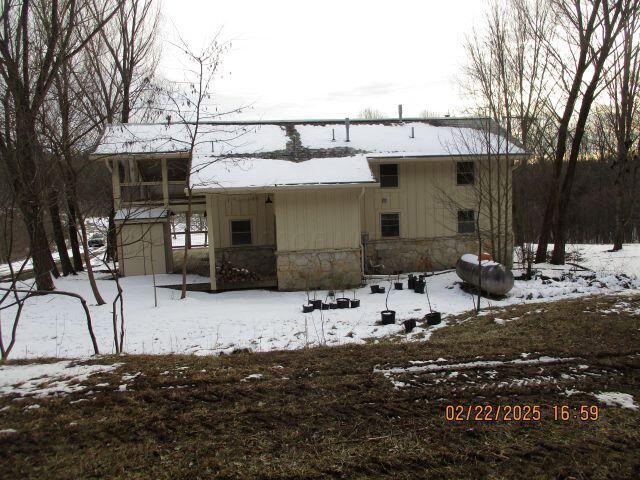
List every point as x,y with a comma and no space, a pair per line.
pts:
325,413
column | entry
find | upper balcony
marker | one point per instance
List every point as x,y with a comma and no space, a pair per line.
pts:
156,181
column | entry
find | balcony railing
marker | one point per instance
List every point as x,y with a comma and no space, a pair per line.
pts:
141,192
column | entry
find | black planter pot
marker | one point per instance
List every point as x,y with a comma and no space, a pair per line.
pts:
381,289
375,288
397,285
433,318
388,317
307,308
411,284
419,288
316,304
355,303
325,306
409,325
333,306
342,302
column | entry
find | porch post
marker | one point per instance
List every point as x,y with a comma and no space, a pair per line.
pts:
212,253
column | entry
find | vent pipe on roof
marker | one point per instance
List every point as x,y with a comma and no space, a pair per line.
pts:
333,134
346,125
413,132
400,112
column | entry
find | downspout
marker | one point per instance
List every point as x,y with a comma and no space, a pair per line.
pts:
363,248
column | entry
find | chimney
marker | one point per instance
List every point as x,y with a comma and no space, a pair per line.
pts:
400,112
346,125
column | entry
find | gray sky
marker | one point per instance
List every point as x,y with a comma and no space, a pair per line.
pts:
330,59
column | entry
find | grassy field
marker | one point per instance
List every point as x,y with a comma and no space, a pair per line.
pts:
332,412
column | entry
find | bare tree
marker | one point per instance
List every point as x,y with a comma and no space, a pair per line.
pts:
190,102
36,38
126,80
370,114
624,84
589,30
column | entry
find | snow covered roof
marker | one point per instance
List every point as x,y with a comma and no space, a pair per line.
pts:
141,213
411,138
229,173
307,152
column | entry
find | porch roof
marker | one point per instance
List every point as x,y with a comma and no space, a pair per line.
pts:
213,173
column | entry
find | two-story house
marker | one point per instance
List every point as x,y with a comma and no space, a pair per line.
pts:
305,204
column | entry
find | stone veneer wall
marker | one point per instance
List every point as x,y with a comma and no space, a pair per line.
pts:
258,259
413,255
319,269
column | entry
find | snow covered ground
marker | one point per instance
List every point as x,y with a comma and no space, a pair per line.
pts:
261,320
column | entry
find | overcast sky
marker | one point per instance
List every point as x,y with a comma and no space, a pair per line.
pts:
330,59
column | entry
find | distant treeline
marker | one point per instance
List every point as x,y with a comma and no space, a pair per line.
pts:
591,210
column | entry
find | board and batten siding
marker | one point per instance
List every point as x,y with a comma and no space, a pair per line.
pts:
318,219
253,207
422,198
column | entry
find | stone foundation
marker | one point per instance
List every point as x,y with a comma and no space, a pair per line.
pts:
419,255
319,269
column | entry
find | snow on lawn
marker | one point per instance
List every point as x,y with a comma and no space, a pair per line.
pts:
263,320
617,399
44,379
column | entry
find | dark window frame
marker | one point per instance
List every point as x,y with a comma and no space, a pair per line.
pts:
239,238
466,225
389,180
395,233
468,176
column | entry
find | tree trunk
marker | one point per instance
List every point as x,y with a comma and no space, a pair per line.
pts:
112,240
58,234
73,236
87,261
39,249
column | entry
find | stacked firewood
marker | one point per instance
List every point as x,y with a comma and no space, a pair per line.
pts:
226,272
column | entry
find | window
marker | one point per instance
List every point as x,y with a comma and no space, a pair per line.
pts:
390,224
389,175
465,173
240,232
466,221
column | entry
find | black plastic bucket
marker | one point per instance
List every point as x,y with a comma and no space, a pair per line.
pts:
342,302
388,317
409,325
307,308
355,303
433,318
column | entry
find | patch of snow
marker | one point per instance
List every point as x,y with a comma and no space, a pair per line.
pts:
569,392
43,379
262,320
617,399
253,376
8,431
544,360
471,258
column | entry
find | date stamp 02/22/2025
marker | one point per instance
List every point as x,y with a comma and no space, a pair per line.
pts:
521,413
